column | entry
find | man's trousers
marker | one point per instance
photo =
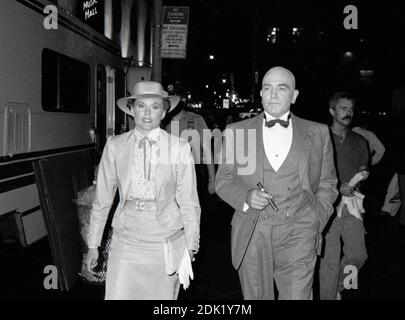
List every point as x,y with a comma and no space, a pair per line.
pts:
333,270
285,253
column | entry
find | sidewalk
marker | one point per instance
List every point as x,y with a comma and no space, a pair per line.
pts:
382,277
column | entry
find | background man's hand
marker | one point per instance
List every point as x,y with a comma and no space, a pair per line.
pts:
346,190
257,199
365,174
91,259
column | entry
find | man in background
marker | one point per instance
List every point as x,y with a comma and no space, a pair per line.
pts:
351,157
193,126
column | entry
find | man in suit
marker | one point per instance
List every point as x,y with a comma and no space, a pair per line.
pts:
293,159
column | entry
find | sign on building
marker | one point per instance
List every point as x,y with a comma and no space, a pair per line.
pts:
91,12
174,32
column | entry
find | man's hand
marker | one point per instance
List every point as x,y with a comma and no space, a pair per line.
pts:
365,174
257,199
211,186
192,253
346,190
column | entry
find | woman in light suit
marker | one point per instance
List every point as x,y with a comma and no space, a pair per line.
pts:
155,177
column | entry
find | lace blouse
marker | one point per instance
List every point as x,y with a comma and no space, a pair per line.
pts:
143,168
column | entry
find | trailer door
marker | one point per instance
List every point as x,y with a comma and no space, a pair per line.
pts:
101,107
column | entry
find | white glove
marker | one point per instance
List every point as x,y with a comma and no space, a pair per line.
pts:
185,271
354,205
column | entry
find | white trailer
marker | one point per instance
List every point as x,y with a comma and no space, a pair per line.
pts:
55,84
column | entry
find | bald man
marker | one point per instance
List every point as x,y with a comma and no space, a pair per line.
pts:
276,230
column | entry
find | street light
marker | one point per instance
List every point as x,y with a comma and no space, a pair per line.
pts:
212,57
348,55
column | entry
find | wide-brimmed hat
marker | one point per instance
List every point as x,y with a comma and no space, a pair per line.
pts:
147,89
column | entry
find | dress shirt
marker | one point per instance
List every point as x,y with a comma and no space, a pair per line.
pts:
277,142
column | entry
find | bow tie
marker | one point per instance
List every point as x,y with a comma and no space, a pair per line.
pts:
143,141
271,123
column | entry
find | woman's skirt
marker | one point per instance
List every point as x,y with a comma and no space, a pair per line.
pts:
136,264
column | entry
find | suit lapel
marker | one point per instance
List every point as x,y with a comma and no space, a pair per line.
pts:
259,174
304,139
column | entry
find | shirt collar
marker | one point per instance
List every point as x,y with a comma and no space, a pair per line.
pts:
153,134
283,117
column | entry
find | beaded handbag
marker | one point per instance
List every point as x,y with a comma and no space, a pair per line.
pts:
84,203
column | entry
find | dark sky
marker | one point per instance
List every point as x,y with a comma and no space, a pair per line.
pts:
235,32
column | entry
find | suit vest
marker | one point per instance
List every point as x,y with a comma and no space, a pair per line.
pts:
285,186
